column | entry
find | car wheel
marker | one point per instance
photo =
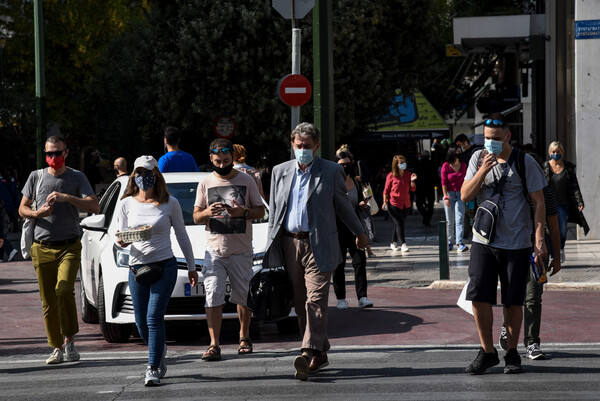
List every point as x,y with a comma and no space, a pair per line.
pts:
89,314
289,325
112,332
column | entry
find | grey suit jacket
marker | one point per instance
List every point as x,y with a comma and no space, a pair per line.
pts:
327,197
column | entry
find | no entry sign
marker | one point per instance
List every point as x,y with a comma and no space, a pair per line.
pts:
294,90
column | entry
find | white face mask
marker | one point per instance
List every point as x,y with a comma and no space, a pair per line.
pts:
402,166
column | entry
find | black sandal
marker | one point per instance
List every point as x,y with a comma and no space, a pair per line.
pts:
245,349
213,353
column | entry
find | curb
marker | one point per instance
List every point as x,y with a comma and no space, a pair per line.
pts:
572,286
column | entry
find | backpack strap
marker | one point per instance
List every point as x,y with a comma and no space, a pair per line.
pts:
502,180
520,164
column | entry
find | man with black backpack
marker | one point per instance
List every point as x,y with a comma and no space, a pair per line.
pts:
503,248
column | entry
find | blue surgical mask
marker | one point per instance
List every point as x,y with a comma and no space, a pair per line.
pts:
304,156
402,166
556,156
493,146
144,182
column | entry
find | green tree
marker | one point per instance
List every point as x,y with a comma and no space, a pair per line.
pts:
75,33
206,59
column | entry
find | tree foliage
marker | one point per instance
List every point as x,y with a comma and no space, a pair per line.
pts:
198,60
75,34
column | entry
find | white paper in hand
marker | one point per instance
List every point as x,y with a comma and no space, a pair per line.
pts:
462,302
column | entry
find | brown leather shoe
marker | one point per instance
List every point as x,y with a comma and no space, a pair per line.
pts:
318,362
301,366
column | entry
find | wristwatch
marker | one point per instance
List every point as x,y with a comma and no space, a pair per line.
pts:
246,213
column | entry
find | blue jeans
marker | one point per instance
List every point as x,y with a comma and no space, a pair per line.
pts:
455,217
563,216
149,306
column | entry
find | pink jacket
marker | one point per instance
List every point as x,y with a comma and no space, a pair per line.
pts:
397,189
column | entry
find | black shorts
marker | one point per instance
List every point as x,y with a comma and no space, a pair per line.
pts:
487,264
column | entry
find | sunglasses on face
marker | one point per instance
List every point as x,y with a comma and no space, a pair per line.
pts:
58,153
494,123
145,173
345,164
224,151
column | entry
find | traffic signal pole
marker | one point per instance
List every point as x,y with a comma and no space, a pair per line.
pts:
323,77
40,82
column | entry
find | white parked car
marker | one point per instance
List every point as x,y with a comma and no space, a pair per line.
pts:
105,295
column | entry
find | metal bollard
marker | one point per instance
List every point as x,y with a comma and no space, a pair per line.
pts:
443,245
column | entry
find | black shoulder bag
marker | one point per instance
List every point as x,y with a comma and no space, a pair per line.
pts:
487,213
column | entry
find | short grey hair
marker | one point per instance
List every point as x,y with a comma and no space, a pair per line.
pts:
307,129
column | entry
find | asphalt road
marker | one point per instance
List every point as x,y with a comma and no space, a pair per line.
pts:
378,373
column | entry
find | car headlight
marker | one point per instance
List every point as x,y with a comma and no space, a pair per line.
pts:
258,259
121,256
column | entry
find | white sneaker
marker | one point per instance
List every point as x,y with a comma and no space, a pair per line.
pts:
534,352
55,357
342,304
394,246
12,255
365,303
162,368
404,248
71,352
152,377
562,256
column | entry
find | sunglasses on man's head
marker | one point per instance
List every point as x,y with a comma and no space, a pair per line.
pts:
216,151
58,153
494,123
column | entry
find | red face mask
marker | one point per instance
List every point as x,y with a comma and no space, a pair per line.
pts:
55,162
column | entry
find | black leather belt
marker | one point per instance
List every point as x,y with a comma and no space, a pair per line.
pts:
300,235
56,243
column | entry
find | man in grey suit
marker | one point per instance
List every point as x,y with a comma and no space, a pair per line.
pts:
306,195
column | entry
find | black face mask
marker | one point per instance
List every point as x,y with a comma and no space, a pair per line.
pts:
223,171
349,170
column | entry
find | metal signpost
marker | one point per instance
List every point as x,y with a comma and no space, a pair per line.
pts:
294,9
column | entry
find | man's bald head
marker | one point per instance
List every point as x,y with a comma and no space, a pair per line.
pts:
120,166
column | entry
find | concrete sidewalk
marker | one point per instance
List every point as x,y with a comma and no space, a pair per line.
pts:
421,266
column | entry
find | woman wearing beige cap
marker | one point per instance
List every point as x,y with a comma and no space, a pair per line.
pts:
147,202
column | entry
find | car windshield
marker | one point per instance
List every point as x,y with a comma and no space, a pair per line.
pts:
185,192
